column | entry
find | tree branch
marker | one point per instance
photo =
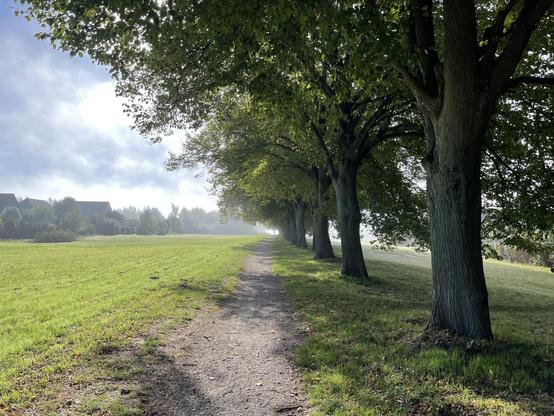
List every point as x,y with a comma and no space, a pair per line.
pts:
428,101
531,14
288,162
493,34
421,12
515,82
320,140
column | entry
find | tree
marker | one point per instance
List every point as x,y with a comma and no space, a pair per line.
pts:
151,221
244,148
43,218
24,227
68,214
130,213
319,56
106,224
174,222
10,220
146,224
458,82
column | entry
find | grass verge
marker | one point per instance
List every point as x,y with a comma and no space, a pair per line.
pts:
365,354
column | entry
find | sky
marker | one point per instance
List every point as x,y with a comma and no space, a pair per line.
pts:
63,131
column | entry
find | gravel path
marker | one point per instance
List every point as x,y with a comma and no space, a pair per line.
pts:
237,361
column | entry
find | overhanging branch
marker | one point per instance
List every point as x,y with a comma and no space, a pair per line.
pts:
514,82
417,88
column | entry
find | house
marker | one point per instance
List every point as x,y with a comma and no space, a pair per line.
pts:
92,208
8,201
29,203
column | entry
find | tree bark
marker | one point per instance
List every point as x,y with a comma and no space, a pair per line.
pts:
289,226
299,214
292,229
349,216
322,242
460,299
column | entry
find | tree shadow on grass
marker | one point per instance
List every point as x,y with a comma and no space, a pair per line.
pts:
140,379
367,347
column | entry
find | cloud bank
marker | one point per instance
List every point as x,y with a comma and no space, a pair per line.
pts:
63,132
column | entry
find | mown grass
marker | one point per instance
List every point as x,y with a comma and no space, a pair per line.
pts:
365,354
65,305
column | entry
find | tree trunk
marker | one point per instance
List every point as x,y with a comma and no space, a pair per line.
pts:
313,209
289,226
291,220
300,212
460,299
349,221
322,242
455,136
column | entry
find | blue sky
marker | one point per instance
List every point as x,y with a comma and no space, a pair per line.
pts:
63,131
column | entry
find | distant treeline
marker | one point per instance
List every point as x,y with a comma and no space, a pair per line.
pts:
65,215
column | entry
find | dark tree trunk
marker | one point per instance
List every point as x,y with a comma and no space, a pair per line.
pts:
321,242
313,208
291,221
289,226
454,194
455,136
299,214
349,221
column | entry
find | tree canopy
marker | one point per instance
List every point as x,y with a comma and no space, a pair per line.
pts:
292,99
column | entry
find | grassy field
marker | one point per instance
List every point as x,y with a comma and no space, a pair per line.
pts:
62,305
366,355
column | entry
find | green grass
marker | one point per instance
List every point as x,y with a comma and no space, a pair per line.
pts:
365,354
65,305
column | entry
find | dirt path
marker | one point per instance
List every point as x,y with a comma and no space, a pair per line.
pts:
236,361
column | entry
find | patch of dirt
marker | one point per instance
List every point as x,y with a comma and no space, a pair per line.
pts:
236,361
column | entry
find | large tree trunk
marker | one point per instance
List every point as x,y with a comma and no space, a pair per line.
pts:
349,221
454,194
322,243
299,214
455,138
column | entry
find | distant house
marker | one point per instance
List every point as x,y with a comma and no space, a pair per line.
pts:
92,208
8,201
29,203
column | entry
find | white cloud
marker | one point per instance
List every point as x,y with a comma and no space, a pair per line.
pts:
63,132
96,109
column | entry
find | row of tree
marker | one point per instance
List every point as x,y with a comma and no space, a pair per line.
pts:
422,118
65,215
